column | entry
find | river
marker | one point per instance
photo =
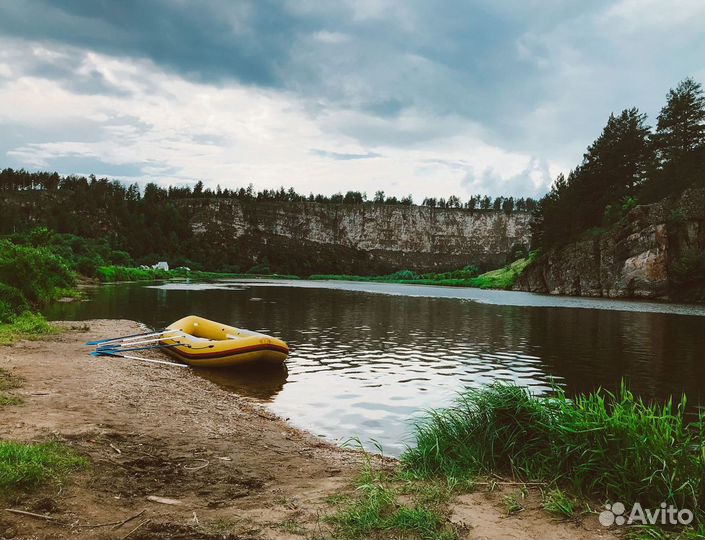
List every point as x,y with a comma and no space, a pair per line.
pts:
368,358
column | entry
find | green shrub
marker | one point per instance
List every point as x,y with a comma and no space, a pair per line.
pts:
11,302
36,272
120,258
126,273
402,274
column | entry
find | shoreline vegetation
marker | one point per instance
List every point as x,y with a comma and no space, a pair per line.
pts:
470,276
501,278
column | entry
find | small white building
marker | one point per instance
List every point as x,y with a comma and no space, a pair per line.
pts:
161,265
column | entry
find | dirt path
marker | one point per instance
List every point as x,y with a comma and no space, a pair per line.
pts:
236,470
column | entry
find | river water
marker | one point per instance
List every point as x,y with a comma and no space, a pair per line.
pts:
368,358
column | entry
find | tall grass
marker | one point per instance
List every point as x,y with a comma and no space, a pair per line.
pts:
608,445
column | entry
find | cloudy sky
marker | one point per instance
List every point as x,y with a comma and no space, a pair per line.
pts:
422,97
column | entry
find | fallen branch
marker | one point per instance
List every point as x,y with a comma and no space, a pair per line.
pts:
30,514
115,448
138,526
121,523
164,500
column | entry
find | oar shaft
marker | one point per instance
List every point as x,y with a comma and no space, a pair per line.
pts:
149,360
139,342
133,337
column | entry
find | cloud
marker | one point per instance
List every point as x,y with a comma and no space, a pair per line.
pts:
343,156
482,96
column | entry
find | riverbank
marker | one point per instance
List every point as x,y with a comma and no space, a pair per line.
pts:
501,278
235,469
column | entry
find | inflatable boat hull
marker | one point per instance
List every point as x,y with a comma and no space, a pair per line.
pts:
202,342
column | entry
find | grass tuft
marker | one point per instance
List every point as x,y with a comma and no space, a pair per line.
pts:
25,326
9,381
25,466
600,444
376,511
558,502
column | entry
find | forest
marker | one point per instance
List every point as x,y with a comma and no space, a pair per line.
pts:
628,164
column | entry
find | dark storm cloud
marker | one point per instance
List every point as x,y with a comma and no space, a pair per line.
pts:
207,41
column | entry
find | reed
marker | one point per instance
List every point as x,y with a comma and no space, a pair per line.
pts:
613,446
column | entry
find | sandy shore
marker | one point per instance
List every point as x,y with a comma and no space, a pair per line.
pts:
235,469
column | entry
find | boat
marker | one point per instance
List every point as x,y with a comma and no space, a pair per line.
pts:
201,342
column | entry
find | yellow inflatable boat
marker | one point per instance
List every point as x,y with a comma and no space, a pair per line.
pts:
200,342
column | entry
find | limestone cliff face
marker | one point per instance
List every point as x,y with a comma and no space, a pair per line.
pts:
655,252
365,238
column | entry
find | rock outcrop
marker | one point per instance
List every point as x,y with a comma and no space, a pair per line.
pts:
365,238
657,251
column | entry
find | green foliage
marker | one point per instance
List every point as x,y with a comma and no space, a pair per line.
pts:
36,273
12,301
600,444
29,276
512,504
503,278
558,502
27,325
26,466
402,274
690,266
376,511
628,203
122,273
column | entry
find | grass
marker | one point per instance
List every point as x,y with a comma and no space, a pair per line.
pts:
376,510
26,466
502,278
8,381
612,446
512,504
25,326
558,502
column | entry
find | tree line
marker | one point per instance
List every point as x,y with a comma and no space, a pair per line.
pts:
628,164
99,188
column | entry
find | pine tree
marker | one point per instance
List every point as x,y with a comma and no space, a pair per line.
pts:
681,124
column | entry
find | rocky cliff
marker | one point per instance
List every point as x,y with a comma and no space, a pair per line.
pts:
656,251
360,238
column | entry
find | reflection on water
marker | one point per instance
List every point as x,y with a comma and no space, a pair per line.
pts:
257,382
363,364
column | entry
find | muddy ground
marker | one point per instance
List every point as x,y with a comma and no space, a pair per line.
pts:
232,469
